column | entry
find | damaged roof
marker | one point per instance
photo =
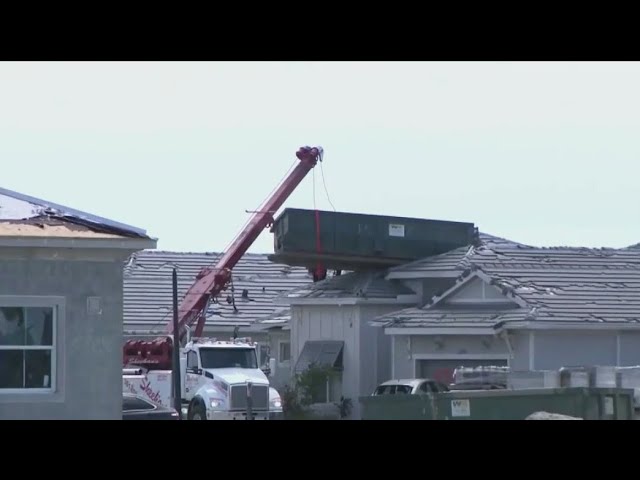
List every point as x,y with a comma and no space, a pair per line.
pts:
371,284
383,284
257,285
559,285
25,216
452,261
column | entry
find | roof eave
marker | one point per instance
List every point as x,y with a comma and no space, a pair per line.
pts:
417,275
438,330
74,242
400,300
569,325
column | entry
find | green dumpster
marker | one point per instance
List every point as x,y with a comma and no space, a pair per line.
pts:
585,403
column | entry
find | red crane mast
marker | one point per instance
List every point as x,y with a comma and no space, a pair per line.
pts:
211,281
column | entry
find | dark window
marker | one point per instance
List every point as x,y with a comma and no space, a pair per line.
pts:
228,358
26,347
320,353
426,387
383,390
403,389
393,389
285,352
135,403
192,359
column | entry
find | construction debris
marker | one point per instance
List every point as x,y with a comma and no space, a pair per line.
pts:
550,416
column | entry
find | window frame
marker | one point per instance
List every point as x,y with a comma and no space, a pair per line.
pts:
151,405
280,343
57,305
193,353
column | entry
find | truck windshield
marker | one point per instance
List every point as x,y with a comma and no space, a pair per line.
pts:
228,358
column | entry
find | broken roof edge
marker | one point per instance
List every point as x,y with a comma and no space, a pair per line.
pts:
407,271
340,301
70,214
119,243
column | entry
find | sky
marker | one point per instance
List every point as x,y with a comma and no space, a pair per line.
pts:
540,153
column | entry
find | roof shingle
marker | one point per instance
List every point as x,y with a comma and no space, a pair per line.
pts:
557,284
455,259
370,284
148,289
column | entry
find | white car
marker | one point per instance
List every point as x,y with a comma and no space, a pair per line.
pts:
413,386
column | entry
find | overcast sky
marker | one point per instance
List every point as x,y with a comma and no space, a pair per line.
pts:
541,153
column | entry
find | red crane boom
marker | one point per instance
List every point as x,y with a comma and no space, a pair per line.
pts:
211,281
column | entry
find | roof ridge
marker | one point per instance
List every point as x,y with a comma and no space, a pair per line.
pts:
208,253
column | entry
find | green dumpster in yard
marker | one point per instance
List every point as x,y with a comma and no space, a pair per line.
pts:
585,403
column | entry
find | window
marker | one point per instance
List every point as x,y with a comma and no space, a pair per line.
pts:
192,359
27,348
136,403
228,358
285,352
426,387
393,390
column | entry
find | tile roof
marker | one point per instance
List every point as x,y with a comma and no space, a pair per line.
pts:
148,289
449,317
375,284
370,284
557,285
455,259
23,215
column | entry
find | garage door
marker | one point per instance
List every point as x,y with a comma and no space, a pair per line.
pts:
442,370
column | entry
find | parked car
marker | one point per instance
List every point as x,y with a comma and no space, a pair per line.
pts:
413,386
135,407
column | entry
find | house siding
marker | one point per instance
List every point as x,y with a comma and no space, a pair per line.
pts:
282,374
520,346
328,322
89,346
629,348
556,349
367,351
375,348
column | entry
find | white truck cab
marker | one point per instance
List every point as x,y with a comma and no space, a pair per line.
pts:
218,375
220,380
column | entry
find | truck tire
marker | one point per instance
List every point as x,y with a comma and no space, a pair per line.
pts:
197,411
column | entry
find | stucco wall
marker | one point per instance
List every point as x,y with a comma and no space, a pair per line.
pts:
88,342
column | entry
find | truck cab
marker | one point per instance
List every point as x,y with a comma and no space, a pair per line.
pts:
223,380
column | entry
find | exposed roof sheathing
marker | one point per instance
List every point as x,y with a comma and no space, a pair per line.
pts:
26,216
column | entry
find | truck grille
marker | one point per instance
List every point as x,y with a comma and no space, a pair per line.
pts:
259,395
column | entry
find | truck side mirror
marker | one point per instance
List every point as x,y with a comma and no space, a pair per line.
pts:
272,364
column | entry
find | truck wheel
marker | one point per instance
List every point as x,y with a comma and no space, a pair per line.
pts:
197,412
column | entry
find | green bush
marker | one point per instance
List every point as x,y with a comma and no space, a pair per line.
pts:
307,388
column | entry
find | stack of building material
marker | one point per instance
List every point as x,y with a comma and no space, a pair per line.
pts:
550,416
575,377
492,376
534,379
629,377
603,377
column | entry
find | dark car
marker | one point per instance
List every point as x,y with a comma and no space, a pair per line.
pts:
135,407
